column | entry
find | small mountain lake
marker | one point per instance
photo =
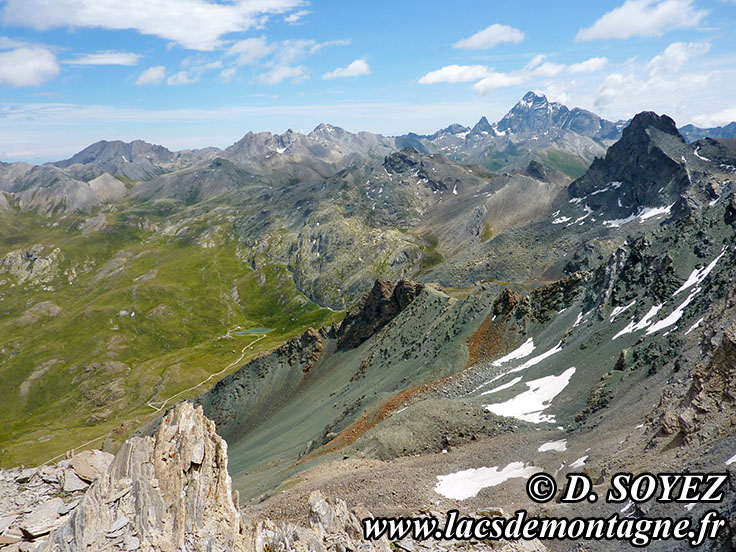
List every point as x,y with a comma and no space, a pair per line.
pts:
253,331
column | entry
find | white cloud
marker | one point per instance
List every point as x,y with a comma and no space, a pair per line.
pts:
719,118
295,18
589,66
106,58
250,50
661,85
488,80
181,78
280,73
490,37
676,55
281,57
152,75
644,18
27,66
356,69
498,80
549,69
6,43
455,74
193,24
536,61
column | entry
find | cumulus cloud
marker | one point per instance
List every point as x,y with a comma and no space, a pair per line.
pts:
589,66
193,24
356,69
644,18
488,80
455,74
296,17
106,58
152,75
676,55
549,69
280,73
719,118
490,37
27,66
661,85
498,80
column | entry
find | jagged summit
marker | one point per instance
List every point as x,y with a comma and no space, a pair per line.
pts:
646,168
482,127
534,113
648,119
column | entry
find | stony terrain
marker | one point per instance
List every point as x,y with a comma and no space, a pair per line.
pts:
34,501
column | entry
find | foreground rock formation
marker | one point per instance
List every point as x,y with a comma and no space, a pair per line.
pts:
171,492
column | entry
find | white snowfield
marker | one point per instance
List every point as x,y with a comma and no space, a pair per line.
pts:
696,278
468,483
579,463
558,446
530,405
523,351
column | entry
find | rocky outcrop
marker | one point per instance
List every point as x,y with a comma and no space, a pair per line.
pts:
169,491
645,168
34,266
333,528
378,308
709,402
34,501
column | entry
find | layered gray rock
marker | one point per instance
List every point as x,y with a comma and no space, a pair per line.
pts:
169,491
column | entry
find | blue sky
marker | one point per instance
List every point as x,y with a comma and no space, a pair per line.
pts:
192,73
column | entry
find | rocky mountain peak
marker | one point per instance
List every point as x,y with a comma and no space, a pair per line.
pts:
325,129
378,307
645,168
532,98
647,120
482,126
534,113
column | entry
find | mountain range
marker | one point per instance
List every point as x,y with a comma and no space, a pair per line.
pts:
552,292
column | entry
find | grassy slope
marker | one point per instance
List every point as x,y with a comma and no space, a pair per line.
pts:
103,367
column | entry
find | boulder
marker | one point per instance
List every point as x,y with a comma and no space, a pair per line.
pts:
91,463
43,519
72,483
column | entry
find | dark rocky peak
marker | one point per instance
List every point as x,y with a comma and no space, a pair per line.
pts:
482,126
645,121
402,161
645,168
378,307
